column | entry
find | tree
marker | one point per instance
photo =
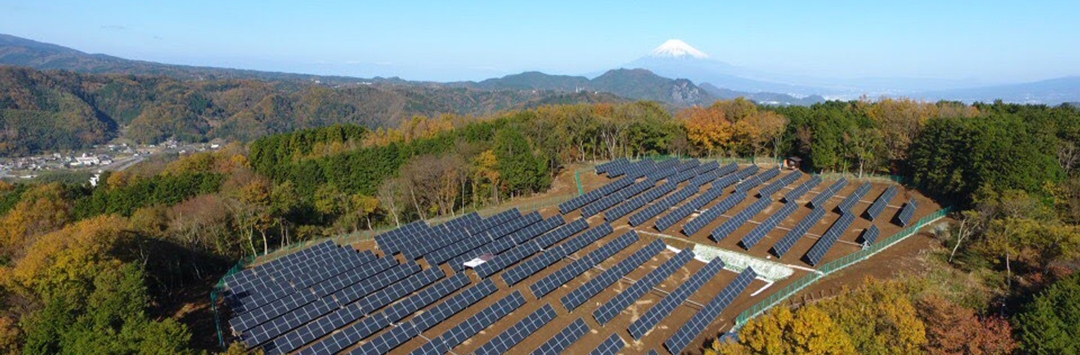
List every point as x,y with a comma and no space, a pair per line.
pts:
40,210
707,128
808,330
520,170
879,318
953,329
1050,324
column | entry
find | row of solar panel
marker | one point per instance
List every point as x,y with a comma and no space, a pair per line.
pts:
619,196
663,205
662,309
532,266
523,251
882,201
341,261
608,277
505,243
763,229
624,299
721,232
603,168
848,203
796,233
779,184
686,209
821,198
635,203
754,181
907,212
823,244
559,277
701,320
711,214
798,192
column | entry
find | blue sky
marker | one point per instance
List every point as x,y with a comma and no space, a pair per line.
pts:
986,41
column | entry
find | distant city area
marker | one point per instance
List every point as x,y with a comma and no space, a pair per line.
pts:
99,158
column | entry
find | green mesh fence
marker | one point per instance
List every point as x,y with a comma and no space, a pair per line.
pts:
834,266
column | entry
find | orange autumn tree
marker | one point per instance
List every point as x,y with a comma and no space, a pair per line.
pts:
808,330
708,129
953,329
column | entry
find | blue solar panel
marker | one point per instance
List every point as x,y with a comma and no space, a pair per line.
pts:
664,308
558,343
712,213
678,214
824,196
763,229
663,205
779,184
635,203
611,346
882,201
870,235
594,286
472,325
853,199
603,168
631,294
577,267
798,192
502,343
823,244
754,181
701,320
729,226
798,232
907,212
531,266
617,197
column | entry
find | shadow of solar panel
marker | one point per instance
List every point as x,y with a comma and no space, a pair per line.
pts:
575,268
793,236
870,235
472,325
611,346
624,299
662,309
594,286
712,214
882,201
531,266
560,342
823,244
853,199
502,343
701,320
907,212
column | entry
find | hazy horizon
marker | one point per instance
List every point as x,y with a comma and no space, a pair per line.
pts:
1004,43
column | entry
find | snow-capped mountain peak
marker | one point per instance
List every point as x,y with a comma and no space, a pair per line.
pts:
675,48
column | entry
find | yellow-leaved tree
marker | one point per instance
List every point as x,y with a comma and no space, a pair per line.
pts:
808,330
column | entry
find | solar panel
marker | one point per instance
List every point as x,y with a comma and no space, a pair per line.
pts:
531,266
663,205
882,201
471,326
854,198
611,346
581,201
763,229
729,226
685,210
608,277
662,309
701,320
712,213
501,245
340,260
619,196
635,203
502,343
793,236
418,324
558,343
616,305
779,184
550,238
469,245
756,180
801,190
823,244
907,212
501,261
824,196
870,235
603,168
575,268
364,296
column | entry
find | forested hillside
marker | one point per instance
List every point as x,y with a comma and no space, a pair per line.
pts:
125,267
43,111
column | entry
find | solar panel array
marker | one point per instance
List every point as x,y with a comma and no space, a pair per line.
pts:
870,235
465,246
763,229
611,346
507,339
712,213
616,305
532,266
391,242
619,196
686,209
756,180
506,242
588,197
608,277
633,170
663,205
603,168
322,266
729,226
523,251
907,212
882,201
776,186
853,199
370,325
797,233
713,175
558,343
245,285
801,190
824,196
823,244
561,276
701,320
472,325
635,203
664,308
